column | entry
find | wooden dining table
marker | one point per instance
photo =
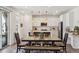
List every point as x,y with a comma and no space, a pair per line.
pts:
34,39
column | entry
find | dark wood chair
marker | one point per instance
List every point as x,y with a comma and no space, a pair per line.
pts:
46,35
20,44
37,36
63,43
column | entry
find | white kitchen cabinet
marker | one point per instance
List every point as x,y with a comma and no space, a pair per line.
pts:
76,41
52,21
70,39
36,23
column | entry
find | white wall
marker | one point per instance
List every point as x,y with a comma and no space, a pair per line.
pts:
12,28
11,22
27,24
53,21
21,30
70,19
67,22
76,16
13,16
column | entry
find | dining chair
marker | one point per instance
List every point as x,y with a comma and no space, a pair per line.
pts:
63,43
46,36
20,44
36,36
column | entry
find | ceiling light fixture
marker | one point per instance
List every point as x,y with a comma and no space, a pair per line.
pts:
25,6
49,6
39,12
56,11
46,12
31,11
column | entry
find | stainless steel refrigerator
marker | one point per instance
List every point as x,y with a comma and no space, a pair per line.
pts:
60,30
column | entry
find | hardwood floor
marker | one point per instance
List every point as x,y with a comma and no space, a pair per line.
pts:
12,49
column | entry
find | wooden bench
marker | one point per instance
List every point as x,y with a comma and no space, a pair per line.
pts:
50,48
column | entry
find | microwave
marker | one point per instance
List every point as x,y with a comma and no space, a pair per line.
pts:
43,24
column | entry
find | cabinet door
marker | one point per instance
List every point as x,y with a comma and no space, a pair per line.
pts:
71,40
36,22
52,21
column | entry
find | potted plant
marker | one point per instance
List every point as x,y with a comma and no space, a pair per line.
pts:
76,30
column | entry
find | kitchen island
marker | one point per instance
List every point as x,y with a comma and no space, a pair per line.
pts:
49,33
73,40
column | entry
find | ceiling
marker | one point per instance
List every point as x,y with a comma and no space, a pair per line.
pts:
43,10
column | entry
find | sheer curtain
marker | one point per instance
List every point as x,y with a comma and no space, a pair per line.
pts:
3,29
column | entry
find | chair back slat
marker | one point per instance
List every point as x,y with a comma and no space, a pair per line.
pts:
17,38
65,38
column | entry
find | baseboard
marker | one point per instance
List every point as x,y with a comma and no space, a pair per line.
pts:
12,44
7,46
4,47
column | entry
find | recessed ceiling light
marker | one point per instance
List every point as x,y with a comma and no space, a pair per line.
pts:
25,6
38,11
46,12
23,11
49,6
56,11
31,11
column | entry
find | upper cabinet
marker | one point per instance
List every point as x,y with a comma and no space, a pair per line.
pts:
44,20
53,21
36,22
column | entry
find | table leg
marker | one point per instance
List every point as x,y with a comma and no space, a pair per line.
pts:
29,43
27,51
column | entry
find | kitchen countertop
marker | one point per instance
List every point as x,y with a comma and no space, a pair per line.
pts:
41,31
